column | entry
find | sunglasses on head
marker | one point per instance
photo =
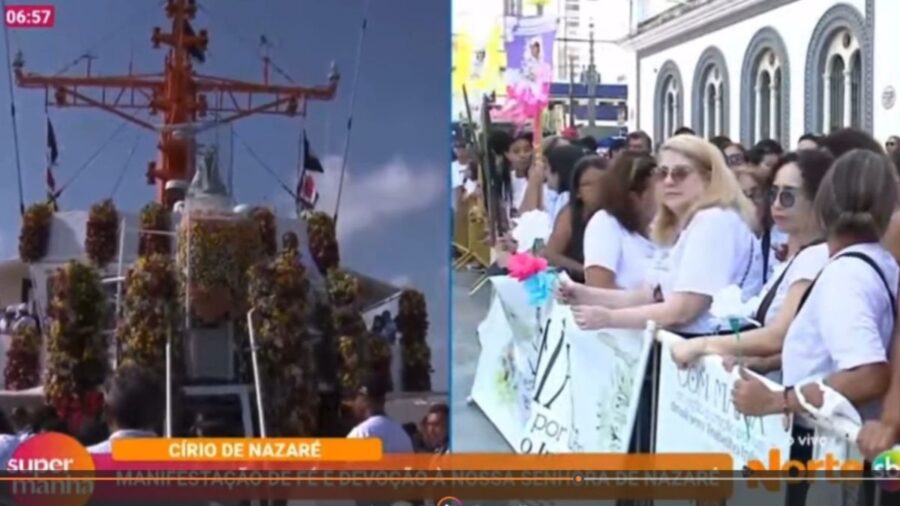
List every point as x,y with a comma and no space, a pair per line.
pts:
786,196
678,173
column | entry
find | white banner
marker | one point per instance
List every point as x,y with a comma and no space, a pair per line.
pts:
608,368
510,336
549,387
695,412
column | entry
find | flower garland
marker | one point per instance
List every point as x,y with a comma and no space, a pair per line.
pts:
323,243
23,358
34,239
102,229
154,217
150,314
265,220
279,290
76,347
216,258
412,322
343,289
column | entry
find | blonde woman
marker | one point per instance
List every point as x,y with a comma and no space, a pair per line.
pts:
704,223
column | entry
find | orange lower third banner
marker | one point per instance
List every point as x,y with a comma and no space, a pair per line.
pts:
244,469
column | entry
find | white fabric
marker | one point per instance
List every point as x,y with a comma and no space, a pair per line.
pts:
804,267
554,203
458,173
530,227
106,446
715,250
519,184
8,445
847,320
609,245
393,438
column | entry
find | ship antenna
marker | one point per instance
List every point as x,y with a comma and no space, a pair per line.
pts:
12,111
359,50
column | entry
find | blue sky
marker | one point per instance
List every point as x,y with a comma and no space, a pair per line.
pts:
394,211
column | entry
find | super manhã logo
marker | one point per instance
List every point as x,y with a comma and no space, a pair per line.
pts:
51,470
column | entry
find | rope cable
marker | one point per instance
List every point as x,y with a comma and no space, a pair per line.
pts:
124,169
264,165
92,158
353,88
12,111
117,27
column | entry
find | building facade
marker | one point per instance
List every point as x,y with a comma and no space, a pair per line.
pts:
759,69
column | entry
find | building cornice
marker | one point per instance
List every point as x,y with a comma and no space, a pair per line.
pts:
680,24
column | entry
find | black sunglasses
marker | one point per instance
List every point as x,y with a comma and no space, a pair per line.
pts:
786,196
735,160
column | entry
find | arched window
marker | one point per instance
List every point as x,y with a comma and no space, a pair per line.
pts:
765,89
710,94
837,102
838,58
671,105
669,102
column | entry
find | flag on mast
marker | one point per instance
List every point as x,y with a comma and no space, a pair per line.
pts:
307,193
52,155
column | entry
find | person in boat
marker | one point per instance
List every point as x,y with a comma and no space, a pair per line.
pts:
369,409
135,405
435,430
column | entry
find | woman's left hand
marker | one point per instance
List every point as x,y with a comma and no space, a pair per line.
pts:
751,397
591,317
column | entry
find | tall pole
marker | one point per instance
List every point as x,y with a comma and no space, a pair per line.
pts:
592,81
571,92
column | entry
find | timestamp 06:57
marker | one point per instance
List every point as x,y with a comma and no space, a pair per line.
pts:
30,16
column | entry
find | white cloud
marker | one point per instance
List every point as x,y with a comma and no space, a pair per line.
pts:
402,281
382,193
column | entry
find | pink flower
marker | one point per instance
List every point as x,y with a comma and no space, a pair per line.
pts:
522,266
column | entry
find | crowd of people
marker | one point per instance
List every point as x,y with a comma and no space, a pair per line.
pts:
810,236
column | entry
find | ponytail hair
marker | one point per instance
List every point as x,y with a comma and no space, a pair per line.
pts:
858,196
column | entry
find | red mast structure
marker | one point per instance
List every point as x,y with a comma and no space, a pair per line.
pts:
179,93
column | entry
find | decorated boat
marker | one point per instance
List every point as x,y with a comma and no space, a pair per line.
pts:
249,315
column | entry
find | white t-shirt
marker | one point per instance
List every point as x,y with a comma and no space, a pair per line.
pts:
393,438
715,250
609,245
847,320
805,266
519,184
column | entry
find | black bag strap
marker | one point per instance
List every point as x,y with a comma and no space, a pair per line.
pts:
749,262
766,247
766,302
865,258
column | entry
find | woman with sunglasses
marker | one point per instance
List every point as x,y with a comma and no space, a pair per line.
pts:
735,156
845,320
796,182
617,247
704,223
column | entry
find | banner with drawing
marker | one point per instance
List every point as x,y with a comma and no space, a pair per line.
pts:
510,337
551,387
